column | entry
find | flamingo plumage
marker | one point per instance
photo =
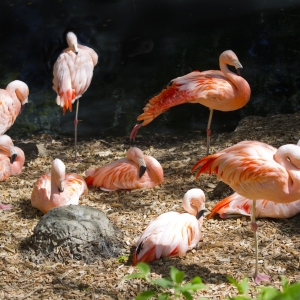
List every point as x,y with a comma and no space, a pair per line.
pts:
221,90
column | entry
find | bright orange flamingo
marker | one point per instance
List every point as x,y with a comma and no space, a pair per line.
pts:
173,233
236,205
221,90
73,72
13,101
57,189
11,161
136,171
257,171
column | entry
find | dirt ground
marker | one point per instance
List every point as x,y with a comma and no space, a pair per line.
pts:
227,246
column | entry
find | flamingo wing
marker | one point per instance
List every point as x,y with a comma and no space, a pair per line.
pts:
40,196
8,111
5,167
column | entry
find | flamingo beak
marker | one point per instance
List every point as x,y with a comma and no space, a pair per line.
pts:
61,186
142,171
13,155
239,71
200,213
23,107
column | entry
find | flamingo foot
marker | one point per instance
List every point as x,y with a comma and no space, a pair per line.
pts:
258,278
134,131
254,226
5,207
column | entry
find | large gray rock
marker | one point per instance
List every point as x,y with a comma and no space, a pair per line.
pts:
75,232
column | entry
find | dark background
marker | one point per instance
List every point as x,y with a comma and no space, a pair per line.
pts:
142,45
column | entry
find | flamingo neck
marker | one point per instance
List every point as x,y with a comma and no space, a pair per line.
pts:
12,90
55,177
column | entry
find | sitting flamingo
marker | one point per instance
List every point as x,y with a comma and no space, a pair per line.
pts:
57,189
173,233
136,171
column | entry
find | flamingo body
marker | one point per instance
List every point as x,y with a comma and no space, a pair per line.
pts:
172,233
12,101
57,188
236,205
136,171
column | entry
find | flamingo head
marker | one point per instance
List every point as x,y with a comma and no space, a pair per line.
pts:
72,42
58,172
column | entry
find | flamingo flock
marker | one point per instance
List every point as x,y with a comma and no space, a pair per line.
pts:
266,180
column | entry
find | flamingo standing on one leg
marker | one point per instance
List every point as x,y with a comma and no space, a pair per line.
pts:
236,205
257,171
13,101
173,233
136,171
221,90
73,72
57,189
11,161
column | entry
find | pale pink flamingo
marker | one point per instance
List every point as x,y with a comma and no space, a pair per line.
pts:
73,72
13,100
136,171
257,171
221,90
57,188
173,233
11,161
236,205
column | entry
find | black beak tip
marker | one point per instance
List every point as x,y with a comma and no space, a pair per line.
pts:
23,107
13,158
76,52
239,71
60,190
142,171
200,213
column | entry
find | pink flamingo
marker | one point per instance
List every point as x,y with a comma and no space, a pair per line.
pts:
73,72
257,171
173,233
236,205
136,171
221,90
11,161
13,101
57,189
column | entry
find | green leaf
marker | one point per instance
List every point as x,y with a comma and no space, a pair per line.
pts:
176,275
196,279
187,295
143,268
145,295
267,293
163,282
193,287
244,285
284,282
134,275
291,292
163,296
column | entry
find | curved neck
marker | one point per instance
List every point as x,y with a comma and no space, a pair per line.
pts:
12,90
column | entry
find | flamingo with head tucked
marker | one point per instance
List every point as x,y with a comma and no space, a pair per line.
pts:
221,90
173,233
257,171
73,72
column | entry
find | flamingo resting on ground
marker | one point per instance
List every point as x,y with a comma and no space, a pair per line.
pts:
257,171
13,101
136,171
73,72
173,233
236,205
221,90
11,161
57,189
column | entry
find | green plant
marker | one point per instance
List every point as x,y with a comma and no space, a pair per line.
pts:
122,258
174,284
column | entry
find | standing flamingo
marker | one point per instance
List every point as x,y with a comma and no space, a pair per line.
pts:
57,189
236,205
136,171
11,161
257,171
221,90
73,72
173,233
13,101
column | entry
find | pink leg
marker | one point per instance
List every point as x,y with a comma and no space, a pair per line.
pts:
208,131
134,131
75,127
5,207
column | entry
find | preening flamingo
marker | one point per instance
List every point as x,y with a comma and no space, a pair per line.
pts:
173,233
236,205
257,171
73,72
13,101
136,171
221,90
57,188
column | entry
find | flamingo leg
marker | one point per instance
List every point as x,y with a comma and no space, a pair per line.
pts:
257,277
75,125
208,131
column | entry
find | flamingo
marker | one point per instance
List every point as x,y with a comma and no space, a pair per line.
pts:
236,205
57,188
256,170
13,101
173,233
136,171
11,161
221,90
73,72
